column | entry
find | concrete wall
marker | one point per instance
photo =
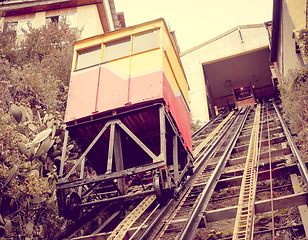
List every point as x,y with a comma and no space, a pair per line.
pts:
297,12
234,42
39,19
88,18
288,58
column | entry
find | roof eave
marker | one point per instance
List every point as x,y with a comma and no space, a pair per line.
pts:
18,8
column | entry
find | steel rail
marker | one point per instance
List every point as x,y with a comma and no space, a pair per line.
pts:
205,126
184,188
257,172
208,152
205,142
120,231
271,176
188,232
189,191
299,161
245,211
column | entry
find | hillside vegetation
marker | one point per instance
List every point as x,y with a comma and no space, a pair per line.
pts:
294,97
34,77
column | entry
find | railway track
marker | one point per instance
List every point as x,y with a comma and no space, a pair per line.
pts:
248,182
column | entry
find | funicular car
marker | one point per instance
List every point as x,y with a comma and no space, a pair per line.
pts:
128,111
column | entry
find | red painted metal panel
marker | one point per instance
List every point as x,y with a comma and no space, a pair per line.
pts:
82,94
146,87
179,112
87,97
112,91
246,102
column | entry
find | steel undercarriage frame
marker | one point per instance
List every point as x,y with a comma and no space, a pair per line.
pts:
75,195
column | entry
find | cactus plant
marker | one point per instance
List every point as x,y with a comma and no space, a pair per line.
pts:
28,172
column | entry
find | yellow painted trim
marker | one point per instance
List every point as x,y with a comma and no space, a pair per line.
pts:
183,86
146,62
175,52
132,55
87,42
74,61
126,32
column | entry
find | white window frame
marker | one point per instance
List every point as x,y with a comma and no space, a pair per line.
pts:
23,24
71,17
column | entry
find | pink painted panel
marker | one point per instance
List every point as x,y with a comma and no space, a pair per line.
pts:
82,94
112,91
146,87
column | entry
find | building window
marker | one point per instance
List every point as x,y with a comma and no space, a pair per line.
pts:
10,26
88,57
117,49
53,19
19,27
145,41
70,18
24,26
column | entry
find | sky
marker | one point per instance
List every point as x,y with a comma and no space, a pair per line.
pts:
196,21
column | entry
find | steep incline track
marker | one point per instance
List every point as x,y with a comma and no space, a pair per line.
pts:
248,182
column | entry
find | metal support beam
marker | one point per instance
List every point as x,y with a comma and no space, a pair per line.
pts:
111,176
137,140
175,159
110,149
88,149
260,207
81,175
118,156
63,157
163,142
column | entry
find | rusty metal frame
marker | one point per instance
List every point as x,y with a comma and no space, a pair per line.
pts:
112,124
115,155
114,160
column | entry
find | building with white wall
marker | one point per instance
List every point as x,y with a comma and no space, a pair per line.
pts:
93,16
289,18
238,56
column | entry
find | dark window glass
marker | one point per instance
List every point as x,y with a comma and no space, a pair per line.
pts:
53,19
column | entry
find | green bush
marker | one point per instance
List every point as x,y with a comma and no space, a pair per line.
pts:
34,76
294,98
